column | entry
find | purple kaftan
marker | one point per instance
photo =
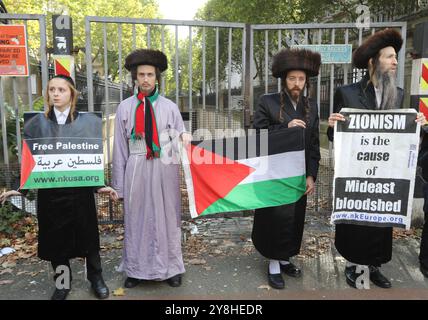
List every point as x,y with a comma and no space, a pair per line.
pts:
151,193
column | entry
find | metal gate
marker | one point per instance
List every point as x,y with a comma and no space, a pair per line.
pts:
205,92
276,37
218,90
164,35
11,107
266,40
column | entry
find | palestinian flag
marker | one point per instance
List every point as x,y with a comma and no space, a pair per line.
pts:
63,156
256,171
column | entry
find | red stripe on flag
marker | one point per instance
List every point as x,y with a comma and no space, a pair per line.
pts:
60,69
27,164
213,177
425,73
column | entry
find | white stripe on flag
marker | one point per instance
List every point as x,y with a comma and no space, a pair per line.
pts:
188,178
277,166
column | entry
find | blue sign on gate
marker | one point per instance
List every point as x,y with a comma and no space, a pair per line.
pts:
331,53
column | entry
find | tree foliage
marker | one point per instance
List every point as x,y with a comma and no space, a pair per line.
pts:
287,12
251,12
78,9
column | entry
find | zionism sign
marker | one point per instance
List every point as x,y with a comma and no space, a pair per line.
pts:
375,166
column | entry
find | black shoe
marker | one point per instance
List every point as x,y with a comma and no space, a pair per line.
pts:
60,294
351,276
291,270
378,278
275,280
100,288
424,270
131,282
174,281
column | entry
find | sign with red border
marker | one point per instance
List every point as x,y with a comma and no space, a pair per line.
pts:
13,51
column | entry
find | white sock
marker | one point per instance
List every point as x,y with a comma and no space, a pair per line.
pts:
274,267
284,262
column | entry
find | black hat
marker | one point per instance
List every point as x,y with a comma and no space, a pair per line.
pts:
140,57
296,59
66,78
375,43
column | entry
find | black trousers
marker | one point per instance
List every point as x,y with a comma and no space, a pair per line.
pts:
277,231
423,253
93,265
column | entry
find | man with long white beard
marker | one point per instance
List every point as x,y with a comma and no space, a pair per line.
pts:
367,245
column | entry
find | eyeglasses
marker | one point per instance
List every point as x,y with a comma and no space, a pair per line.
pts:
294,79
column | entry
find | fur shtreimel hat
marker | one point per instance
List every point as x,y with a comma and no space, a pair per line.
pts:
375,43
150,57
296,59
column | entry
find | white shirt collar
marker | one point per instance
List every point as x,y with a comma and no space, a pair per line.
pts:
61,117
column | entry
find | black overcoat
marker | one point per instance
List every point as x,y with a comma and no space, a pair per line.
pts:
277,231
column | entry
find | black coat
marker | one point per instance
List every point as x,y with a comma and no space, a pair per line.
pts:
67,217
267,117
423,154
366,245
423,163
359,95
278,231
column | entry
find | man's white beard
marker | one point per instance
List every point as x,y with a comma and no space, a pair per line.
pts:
387,85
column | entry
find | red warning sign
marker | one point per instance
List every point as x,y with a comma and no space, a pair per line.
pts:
13,51
424,80
423,106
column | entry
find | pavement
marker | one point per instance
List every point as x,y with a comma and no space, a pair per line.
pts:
222,264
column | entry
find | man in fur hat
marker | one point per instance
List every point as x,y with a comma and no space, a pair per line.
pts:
149,185
367,245
277,231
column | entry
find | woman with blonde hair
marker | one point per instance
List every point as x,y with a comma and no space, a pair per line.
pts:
67,217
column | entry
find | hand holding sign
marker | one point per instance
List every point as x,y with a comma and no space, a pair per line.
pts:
420,118
110,191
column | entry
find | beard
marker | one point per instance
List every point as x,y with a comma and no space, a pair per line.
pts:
387,85
294,93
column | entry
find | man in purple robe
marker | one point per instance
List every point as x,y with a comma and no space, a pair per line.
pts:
144,176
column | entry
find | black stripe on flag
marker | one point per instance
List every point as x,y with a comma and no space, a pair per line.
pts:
285,140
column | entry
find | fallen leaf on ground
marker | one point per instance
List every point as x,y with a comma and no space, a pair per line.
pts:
24,255
264,286
119,292
8,270
8,264
197,261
